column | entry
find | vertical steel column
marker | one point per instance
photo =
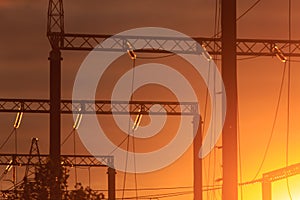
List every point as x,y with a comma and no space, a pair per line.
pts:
197,125
229,73
266,190
55,98
111,172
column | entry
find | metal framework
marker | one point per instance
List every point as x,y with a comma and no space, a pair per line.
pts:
34,158
100,107
244,47
67,160
88,107
277,175
60,40
55,25
29,186
87,42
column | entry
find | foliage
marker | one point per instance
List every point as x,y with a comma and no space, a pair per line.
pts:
81,194
38,187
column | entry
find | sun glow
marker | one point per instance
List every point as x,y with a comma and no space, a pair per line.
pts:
280,189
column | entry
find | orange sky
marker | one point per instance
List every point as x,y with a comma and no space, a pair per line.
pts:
25,74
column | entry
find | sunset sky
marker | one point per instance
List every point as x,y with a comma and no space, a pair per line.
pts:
24,73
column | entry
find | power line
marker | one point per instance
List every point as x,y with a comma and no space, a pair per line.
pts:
294,60
133,130
162,195
206,187
251,182
242,15
134,160
247,58
288,131
156,57
172,194
288,98
74,151
126,162
217,16
206,100
128,138
6,140
249,9
239,148
68,136
159,188
273,124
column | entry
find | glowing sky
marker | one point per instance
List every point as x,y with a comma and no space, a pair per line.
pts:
24,73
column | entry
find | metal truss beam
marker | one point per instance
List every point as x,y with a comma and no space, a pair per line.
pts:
67,160
277,175
55,25
282,173
244,47
100,107
87,42
55,17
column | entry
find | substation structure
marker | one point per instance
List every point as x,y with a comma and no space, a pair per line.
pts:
28,188
228,46
86,107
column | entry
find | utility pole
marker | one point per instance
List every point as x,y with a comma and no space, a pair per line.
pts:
55,32
197,126
229,74
55,97
111,183
266,190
